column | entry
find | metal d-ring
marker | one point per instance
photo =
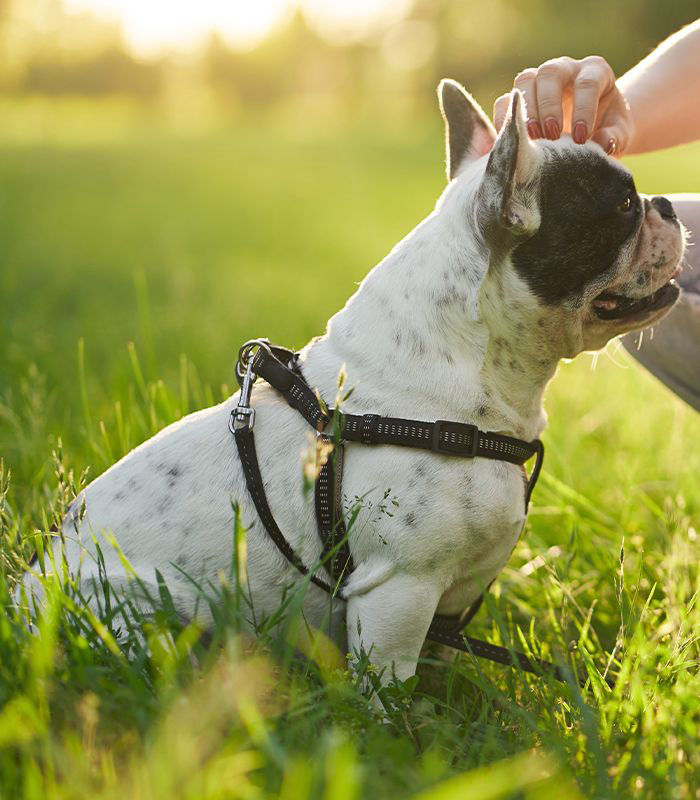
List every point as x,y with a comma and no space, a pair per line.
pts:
246,356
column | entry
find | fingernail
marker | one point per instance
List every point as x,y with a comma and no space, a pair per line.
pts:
551,128
534,129
611,147
580,132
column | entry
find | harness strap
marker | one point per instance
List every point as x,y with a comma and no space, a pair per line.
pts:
442,436
245,442
450,438
335,552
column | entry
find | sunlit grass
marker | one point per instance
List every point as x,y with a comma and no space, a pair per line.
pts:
190,247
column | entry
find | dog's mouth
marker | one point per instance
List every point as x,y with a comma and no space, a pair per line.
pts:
611,306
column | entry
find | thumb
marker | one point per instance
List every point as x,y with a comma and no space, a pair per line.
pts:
500,108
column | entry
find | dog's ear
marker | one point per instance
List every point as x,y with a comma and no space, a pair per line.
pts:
509,183
469,133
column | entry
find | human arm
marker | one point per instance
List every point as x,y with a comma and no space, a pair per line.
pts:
663,93
654,105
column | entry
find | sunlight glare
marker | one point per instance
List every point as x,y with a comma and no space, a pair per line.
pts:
156,25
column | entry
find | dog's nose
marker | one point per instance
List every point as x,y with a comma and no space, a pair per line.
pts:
664,206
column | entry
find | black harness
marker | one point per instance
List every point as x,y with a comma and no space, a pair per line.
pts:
281,368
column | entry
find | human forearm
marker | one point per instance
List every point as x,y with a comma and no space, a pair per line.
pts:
663,92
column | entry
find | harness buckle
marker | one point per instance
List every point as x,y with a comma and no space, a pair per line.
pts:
449,449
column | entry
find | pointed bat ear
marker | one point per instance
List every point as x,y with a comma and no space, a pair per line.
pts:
511,172
468,131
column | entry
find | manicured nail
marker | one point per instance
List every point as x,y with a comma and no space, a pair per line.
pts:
534,129
580,132
551,128
611,147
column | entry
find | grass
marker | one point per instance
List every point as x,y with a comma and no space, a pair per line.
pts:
190,246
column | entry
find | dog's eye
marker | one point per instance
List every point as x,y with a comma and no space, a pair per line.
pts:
627,204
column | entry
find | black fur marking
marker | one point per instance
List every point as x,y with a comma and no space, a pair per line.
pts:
482,411
582,228
173,474
410,519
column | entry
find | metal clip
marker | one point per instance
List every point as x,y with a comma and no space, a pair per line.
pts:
243,416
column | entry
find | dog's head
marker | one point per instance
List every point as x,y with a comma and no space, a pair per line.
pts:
570,241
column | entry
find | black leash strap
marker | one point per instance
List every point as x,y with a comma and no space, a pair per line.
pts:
500,655
279,367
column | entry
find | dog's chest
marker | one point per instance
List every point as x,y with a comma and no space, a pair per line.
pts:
434,515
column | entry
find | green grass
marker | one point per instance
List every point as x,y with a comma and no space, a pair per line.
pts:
190,246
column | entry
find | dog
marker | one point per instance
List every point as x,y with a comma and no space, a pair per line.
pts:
536,251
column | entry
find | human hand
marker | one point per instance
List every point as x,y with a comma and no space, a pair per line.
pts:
565,95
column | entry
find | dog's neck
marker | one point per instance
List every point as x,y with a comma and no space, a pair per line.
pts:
428,335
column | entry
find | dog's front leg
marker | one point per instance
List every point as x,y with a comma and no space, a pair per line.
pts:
390,622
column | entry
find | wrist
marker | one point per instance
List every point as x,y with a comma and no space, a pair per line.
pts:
632,144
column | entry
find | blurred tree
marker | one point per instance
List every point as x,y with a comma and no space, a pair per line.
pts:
392,69
111,71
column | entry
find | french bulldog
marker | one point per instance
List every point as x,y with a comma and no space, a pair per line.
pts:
536,251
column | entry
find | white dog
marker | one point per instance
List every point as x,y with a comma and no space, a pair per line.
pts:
536,250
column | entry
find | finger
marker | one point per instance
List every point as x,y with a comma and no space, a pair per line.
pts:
552,79
594,79
526,81
612,139
500,108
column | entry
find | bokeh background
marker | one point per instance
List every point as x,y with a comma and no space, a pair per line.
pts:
177,177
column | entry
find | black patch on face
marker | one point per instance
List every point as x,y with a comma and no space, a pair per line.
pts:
582,227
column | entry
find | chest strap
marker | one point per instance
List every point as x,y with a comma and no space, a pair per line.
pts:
280,368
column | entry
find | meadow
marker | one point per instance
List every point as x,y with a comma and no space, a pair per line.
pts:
132,267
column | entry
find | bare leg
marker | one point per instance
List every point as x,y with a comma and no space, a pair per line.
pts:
672,354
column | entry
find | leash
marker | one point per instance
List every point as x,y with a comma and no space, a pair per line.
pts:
280,367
